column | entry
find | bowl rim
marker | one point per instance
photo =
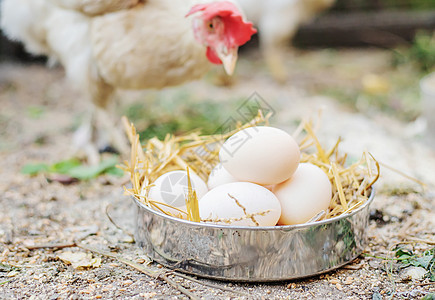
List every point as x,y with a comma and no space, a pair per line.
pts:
261,228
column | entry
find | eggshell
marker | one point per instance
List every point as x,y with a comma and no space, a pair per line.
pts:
220,204
261,154
219,176
304,195
172,188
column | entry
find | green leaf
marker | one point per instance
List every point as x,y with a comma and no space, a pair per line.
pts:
424,261
64,166
430,296
87,172
404,257
35,112
73,167
403,253
7,268
115,172
33,169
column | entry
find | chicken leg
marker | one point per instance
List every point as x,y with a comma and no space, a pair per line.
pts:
99,130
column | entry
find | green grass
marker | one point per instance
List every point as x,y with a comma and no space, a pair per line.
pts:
401,74
35,112
75,169
178,114
421,52
427,260
401,100
406,258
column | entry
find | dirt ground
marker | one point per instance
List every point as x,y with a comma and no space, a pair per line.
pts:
35,211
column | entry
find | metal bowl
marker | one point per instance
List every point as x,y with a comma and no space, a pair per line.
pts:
242,253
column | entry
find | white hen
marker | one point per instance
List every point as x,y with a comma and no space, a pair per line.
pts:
126,44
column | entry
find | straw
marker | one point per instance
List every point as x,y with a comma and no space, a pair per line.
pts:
193,152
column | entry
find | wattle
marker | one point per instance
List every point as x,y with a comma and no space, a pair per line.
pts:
212,56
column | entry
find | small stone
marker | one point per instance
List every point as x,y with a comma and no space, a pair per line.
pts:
12,273
334,280
128,282
339,286
107,288
148,295
291,285
349,280
413,273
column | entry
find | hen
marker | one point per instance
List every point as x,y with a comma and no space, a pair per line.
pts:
277,22
126,44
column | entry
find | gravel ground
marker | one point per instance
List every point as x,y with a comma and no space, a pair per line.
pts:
36,211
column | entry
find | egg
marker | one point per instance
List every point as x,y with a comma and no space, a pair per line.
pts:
304,195
261,154
172,188
242,203
219,176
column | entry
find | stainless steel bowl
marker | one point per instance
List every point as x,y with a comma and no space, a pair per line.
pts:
252,253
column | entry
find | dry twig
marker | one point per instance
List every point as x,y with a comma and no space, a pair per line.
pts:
116,225
147,271
51,246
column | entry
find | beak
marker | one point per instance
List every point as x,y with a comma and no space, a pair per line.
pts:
229,59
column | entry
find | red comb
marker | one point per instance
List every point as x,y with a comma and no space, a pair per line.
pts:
235,27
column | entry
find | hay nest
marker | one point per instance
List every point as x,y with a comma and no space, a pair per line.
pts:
351,183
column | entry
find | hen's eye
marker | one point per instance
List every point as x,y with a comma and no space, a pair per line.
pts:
210,25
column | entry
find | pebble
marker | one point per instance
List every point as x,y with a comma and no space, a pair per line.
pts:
127,282
148,295
107,288
12,273
291,285
349,280
140,261
413,273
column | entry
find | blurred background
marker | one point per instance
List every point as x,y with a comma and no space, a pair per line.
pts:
354,67
365,56
400,31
